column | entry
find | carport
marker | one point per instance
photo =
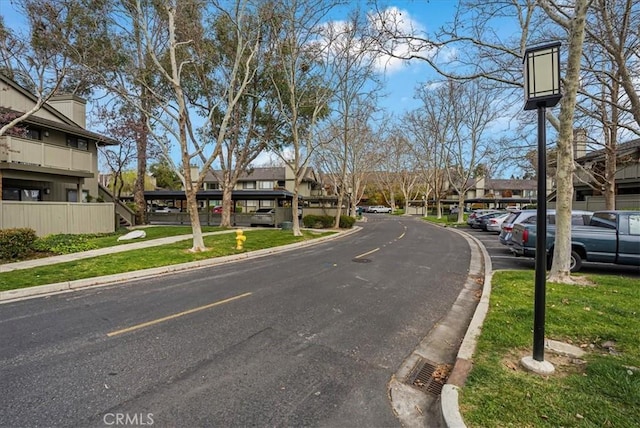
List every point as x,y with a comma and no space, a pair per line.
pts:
245,202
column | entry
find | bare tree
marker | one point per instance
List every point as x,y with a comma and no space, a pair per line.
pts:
120,124
575,27
612,42
182,92
37,59
430,128
356,86
613,29
472,142
395,173
301,79
455,52
253,121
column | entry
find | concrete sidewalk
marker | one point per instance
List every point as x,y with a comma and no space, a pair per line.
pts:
28,264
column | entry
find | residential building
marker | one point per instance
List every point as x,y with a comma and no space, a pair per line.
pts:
587,195
49,166
260,187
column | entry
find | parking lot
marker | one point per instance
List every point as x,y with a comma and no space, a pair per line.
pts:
501,258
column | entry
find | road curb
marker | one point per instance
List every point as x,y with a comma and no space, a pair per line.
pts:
80,284
441,345
449,397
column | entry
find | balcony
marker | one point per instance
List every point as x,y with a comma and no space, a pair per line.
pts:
29,152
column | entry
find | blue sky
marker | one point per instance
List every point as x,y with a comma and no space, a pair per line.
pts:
401,77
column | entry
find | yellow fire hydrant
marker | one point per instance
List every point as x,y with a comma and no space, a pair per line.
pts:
240,238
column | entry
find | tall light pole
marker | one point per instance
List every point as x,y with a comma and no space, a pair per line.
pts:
541,90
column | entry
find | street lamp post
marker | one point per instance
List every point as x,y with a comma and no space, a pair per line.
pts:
541,90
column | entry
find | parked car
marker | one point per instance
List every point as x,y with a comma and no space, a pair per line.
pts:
530,217
378,209
217,209
495,224
264,217
480,222
166,209
477,213
608,237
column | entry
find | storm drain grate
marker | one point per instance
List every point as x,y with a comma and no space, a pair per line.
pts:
428,377
357,260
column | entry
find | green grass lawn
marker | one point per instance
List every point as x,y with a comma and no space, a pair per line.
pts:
600,390
152,232
446,220
219,245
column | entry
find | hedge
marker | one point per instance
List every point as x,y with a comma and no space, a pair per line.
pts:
16,243
327,221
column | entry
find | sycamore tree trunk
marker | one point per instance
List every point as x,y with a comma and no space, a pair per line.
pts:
560,268
338,210
138,186
460,208
227,206
610,184
192,207
294,208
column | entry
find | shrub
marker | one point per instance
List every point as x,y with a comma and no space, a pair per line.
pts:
346,222
64,244
15,243
327,221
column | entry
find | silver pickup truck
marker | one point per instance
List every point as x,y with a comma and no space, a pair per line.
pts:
609,237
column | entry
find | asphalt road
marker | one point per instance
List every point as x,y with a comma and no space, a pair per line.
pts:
310,337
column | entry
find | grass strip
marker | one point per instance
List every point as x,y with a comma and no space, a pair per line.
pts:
165,255
600,390
446,220
152,232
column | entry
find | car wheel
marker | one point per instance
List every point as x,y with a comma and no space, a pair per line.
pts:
576,262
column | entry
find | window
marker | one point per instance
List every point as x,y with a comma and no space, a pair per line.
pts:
606,220
249,185
634,224
13,194
77,142
72,195
580,219
10,194
265,185
211,186
34,134
30,195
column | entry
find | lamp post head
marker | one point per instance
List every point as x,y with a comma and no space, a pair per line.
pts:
542,76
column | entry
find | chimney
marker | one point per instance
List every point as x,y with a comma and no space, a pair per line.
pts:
72,106
579,143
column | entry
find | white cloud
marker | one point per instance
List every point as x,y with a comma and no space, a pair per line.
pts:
395,21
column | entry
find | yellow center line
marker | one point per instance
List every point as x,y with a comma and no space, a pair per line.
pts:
367,253
179,314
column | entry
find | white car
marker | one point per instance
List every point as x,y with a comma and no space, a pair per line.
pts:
495,224
167,210
379,209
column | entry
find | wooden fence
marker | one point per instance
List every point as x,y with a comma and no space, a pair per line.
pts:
58,217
